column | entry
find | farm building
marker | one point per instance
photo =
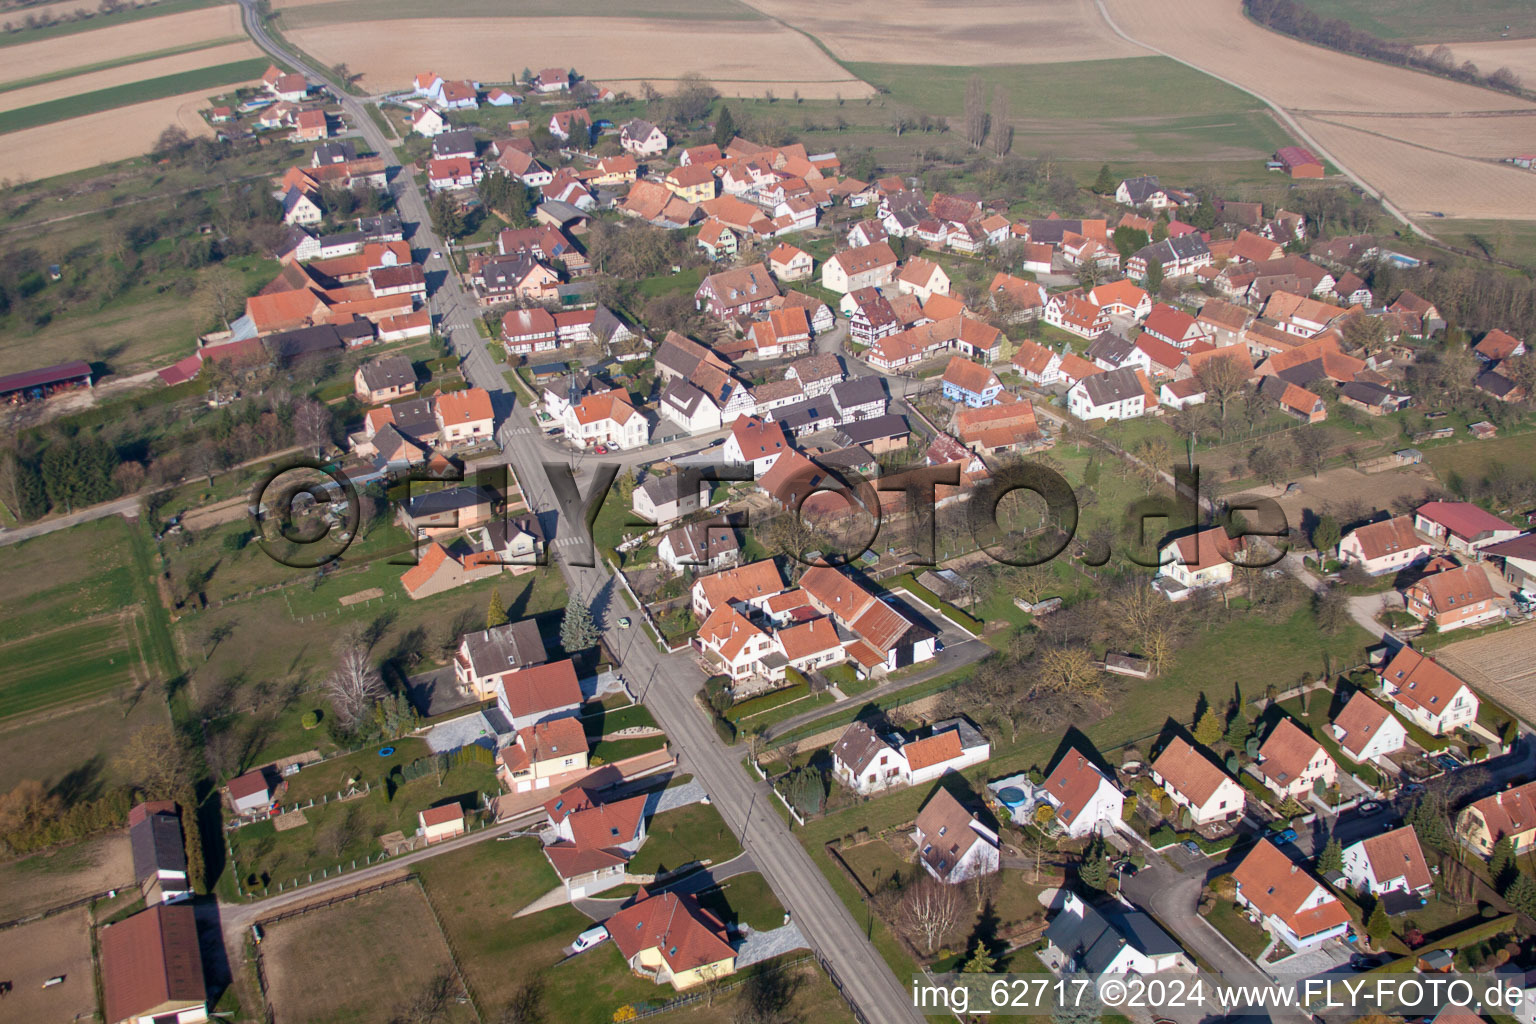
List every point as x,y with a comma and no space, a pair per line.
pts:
1299,162
23,387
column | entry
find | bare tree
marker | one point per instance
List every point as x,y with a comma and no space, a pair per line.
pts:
157,760
220,294
430,1004
930,910
355,686
1002,135
975,112
1223,380
312,424
1070,670
1312,446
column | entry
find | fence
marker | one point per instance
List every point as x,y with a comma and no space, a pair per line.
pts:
694,997
325,798
71,905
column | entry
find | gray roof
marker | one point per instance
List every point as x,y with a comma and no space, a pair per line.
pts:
1112,386
415,418
514,645
1367,393
385,225
872,429
858,391
819,366
1495,383
1172,250
817,413
156,845
858,746
1111,348
335,151
639,130
343,238
663,490
505,273
461,140
682,396
1143,188
293,237
1094,939
701,542
388,371
449,500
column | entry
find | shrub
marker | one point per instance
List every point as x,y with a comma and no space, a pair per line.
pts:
310,720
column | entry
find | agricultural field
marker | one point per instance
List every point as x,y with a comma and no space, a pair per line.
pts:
44,949
64,874
740,58
305,13
77,645
1498,665
1428,21
991,32
1313,83
100,94
314,973
1472,459
1519,55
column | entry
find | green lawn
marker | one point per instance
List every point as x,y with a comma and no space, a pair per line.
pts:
1514,241
1246,936
1471,460
31,35
687,834
745,899
65,577
1429,22
69,665
136,92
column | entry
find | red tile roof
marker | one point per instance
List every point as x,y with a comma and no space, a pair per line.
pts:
1189,772
1361,720
1074,781
686,935
1420,681
1286,752
541,688
151,962
1397,853
465,406
1277,887
933,750
442,815
1462,518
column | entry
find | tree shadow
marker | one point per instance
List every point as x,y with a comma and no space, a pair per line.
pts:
82,783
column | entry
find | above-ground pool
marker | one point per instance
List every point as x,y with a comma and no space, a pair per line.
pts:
1012,796
386,751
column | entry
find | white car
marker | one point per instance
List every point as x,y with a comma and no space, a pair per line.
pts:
589,938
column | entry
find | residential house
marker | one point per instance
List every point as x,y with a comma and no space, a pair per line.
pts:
1177,394
642,139
1365,731
950,746
529,330
1091,942
1076,314
692,183
871,317
717,240
608,419
970,384
1429,694
887,640
811,646
1143,191
552,80
687,405
159,853
1038,364
1390,862
700,547
1087,801
952,844
300,207
464,417
592,841
788,263
538,693
1510,814
1453,598
1387,546
1178,257
436,824
1111,351
1111,395
875,436
756,442
426,120
816,374
734,646
785,333
866,762
152,968
288,86
1121,298
384,380
523,277
484,655
869,266
922,278
738,291
515,544
747,584
542,752
1196,783
662,499
671,938
1016,299
574,123
1294,906
448,511
1293,764
1461,526
1203,558
1497,345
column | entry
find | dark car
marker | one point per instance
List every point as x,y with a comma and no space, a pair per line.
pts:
1283,836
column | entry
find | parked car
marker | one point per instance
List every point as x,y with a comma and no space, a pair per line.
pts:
589,938
1370,808
1193,847
1283,836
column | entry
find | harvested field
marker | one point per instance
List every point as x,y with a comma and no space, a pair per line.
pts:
314,973
41,950
326,12
42,881
1492,137
989,32
1499,665
128,74
26,60
743,59
1427,21
99,138
1214,36
1420,180
1519,55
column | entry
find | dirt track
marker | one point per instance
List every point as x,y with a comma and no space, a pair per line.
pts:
35,952
42,881
740,57
26,60
931,32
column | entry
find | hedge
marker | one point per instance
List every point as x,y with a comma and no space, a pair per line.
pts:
906,581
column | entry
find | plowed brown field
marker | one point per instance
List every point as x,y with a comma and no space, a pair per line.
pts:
1315,83
742,58
934,32
211,57
46,56
1499,665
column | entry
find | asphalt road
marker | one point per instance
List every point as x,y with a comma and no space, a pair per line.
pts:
667,683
